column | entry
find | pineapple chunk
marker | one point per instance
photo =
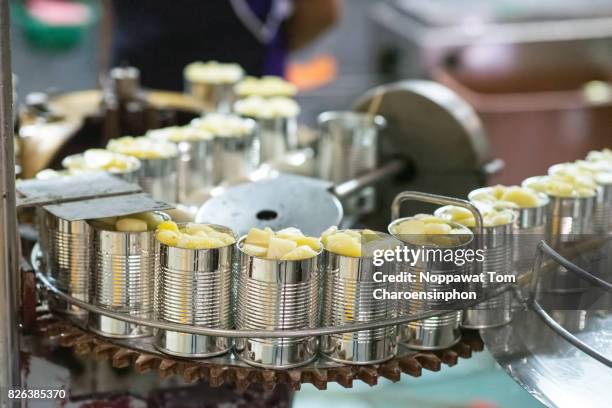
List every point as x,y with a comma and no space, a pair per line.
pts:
168,226
411,227
289,233
436,229
277,247
345,244
259,237
152,219
311,242
331,230
131,225
255,250
168,237
523,197
301,252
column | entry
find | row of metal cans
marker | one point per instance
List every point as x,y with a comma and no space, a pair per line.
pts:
134,274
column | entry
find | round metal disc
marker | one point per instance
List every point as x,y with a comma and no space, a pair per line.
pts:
285,201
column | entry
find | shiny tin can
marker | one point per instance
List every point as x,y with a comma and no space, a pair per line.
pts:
273,295
68,258
193,286
124,265
349,290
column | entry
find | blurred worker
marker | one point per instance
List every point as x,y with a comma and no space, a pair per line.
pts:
160,37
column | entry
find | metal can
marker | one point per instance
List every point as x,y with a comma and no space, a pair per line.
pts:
276,137
79,163
529,229
437,332
349,290
195,169
497,243
217,96
158,177
193,286
603,210
442,331
124,265
235,158
569,220
272,295
68,259
348,147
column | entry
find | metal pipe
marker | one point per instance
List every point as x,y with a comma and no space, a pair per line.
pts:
349,187
9,250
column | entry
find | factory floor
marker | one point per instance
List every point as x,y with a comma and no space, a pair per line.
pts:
477,382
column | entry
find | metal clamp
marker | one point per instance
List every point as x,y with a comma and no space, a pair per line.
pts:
544,248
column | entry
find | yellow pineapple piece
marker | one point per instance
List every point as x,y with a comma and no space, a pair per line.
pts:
277,247
168,237
343,243
523,197
168,226
411,227
131,225
255,250
301,252
259,237
435,229
331,230
311,242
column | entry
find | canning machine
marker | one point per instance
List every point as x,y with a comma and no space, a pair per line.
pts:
114,314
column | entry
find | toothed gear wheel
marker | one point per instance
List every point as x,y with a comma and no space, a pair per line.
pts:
66,334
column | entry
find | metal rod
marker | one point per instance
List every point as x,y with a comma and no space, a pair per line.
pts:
575,341
9,250
352,186
206,331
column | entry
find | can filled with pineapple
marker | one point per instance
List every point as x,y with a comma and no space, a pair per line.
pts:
350,290
430,234
277,288
193,286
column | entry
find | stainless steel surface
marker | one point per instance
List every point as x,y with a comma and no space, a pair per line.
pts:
447,147
124,266
219,97
349,297
277,137
348,148
281,202
558,366
158,177
320,331
550,368
441,331
193,286
354,185
275,294
195,169
113,206
69,245
10,377
72,188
